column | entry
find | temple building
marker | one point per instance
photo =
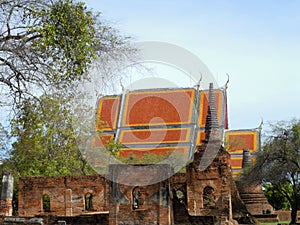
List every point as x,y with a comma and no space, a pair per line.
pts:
171,166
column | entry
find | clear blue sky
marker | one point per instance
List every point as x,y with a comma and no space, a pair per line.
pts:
257,42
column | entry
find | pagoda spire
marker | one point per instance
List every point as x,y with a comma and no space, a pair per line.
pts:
211,118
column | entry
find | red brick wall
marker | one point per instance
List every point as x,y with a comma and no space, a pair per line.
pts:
254,198
215,176
6,207
67,194
157,204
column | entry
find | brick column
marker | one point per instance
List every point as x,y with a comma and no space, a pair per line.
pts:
6,194
68,197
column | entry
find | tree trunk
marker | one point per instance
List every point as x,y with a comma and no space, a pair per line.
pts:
295,204
294,213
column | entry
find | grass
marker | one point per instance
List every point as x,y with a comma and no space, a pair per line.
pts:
272,223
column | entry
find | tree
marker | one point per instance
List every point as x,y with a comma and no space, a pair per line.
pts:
49,45
47,48
4,148
279,162
276,195
45,144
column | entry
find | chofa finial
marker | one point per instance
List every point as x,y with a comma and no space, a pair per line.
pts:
122,86
199,82
226,85
261,124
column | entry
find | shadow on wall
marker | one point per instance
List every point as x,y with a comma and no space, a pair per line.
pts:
6,194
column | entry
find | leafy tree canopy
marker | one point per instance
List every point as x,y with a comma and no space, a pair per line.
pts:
276,195
46,50
48,45
44,142
279,162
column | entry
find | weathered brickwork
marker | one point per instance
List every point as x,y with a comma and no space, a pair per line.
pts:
191,204
6,207
67,195
131,203
254,198
208,190
131,197
6,194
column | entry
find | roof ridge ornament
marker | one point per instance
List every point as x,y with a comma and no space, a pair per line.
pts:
199,82
122,86
226,85
261,124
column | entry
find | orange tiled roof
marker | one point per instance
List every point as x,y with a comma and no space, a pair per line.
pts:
158,120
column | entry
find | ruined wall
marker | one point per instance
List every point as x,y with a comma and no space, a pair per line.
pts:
68,195
208,191
176,200
254,198
6,194
154,205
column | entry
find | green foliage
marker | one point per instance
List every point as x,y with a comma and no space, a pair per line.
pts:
47,47
45,143
277,195
67,35
145,159
180,196
172,158
50,45
4,137
46,203
113,147
279,163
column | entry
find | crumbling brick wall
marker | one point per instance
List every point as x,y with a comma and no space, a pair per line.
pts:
116,194
254,198
155,206
67,195
208,191
6,194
